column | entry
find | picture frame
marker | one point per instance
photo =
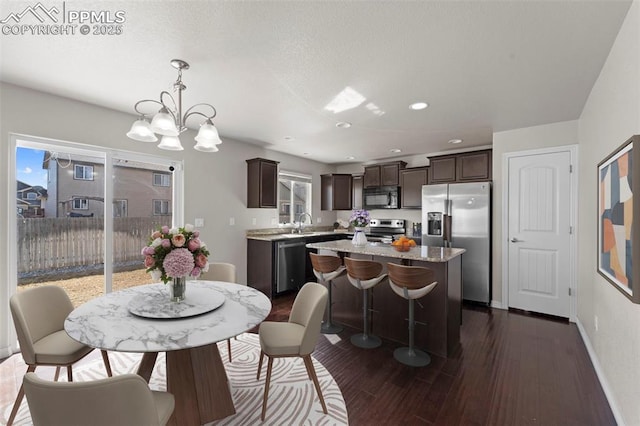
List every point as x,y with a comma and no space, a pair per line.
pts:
618,210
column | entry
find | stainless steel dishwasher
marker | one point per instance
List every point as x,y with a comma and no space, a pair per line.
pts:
290,272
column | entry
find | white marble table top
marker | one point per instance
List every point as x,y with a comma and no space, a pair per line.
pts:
106,323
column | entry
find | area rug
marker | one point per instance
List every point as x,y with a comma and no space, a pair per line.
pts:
292,396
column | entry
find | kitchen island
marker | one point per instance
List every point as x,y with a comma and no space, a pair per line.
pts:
437,320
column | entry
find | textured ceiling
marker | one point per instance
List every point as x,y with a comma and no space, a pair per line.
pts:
271,67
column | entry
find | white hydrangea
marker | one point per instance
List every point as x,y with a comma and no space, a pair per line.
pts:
189,227
174,231
155,243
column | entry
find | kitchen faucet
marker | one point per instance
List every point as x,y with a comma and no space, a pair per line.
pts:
300,227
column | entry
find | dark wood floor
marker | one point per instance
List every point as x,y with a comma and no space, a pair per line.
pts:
512,369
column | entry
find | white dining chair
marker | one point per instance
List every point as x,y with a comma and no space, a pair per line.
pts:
38,315
123,400
296,337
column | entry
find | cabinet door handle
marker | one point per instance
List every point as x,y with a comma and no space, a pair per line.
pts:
515,240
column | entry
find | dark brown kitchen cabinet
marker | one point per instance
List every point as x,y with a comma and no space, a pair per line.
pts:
474,166
371,176
357,182
261,268
442,169
262,183
465,167
385,174
411,181
335,192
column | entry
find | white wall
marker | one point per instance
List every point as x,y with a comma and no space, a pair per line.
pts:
550,135
215,184
610,116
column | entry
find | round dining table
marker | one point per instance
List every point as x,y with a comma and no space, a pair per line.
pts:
143,319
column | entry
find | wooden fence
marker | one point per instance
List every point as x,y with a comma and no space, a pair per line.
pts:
47,244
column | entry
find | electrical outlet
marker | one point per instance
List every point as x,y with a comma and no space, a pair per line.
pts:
254,221
232,221
319,220
274,221
595,322
198,222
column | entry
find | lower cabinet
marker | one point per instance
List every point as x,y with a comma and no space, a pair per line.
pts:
437,314
278,267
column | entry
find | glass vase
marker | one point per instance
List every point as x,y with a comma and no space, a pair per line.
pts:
178,289
359,238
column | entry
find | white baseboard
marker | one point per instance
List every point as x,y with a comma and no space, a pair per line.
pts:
497,304
601,377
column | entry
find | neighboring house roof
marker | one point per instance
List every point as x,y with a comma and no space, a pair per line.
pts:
24,188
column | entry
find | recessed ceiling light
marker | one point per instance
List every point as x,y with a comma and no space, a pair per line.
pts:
289,138
305,153
343,124
351,157
417,106
455,141
395,150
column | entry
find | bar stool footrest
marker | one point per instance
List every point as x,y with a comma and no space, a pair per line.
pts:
366,342
412,357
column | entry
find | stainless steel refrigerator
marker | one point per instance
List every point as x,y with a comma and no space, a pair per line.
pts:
459,215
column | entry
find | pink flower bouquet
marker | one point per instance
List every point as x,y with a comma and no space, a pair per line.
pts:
174,253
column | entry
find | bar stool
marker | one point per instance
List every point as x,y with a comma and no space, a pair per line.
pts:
326,269
364,274
411,282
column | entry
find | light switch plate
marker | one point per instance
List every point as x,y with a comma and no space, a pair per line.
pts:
232,221
198,222
254,221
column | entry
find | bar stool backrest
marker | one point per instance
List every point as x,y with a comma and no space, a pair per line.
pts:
410,282
411,277
362,269
325,263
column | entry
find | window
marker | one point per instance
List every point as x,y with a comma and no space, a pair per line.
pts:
80,204
294,196
160,207
82,172
119,208
31,196
161,179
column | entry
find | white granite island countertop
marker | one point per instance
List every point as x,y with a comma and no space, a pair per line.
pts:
420,253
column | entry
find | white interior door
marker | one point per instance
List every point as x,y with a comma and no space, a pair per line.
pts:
539,232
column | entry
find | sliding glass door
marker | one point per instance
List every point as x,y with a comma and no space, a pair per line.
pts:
83,214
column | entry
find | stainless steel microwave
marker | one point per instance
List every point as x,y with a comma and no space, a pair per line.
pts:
381,197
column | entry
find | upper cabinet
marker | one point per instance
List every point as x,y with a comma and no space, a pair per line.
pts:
335,192
411,181
464,167
385,174
262,183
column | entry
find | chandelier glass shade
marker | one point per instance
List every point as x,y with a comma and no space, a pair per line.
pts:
169,122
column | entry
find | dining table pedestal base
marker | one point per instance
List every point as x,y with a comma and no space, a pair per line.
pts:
197,379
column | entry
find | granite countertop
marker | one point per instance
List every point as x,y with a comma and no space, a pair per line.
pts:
421,253
256,235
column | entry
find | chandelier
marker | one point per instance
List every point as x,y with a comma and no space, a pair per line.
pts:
169,121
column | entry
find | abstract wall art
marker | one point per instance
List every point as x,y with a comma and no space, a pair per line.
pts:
618,213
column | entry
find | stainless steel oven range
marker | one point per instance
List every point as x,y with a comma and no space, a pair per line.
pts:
385,228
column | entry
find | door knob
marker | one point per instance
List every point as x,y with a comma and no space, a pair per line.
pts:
515,240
